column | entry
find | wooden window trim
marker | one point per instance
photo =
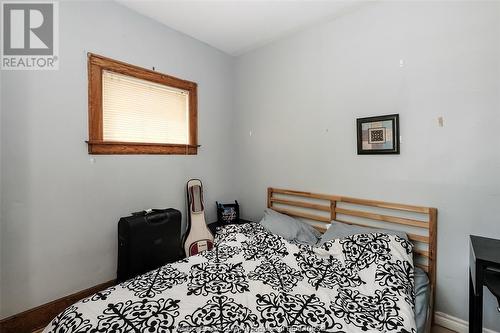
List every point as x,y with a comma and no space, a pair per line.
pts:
96,144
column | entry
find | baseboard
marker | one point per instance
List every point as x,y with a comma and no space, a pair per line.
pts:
454,323
39,317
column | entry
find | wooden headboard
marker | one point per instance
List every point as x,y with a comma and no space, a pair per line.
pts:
419,223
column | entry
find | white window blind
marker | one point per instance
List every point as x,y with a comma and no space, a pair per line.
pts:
136,110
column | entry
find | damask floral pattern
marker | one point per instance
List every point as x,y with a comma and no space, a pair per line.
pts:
139,316
100,296
399,277
287,312
70,320
155,282
276,274
255,281
378,312
405,244
221,252
263,244
217,278
361,251
326,272
220,314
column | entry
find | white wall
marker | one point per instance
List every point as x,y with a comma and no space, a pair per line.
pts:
300,97
59,211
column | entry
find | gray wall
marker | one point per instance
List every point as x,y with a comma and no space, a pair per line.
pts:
300,97
60,211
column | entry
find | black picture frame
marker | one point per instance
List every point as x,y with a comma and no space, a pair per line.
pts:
378,133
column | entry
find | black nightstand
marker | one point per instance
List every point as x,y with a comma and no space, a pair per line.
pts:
213,226
484,263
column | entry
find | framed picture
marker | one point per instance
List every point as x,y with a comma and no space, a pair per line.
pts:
378,135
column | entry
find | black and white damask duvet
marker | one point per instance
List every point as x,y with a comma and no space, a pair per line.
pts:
254,280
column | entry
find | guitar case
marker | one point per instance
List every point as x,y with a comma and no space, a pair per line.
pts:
199,238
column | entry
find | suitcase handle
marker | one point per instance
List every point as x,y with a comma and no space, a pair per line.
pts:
159,218
149,215
142,212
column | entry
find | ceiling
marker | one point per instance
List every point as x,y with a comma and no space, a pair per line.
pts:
236,27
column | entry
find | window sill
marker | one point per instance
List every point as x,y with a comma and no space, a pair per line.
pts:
139,148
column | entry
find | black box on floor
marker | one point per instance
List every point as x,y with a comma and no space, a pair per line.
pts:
148,240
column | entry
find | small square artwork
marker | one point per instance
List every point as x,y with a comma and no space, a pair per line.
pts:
378,135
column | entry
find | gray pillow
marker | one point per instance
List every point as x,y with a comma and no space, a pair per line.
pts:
339,230
289,228
422,290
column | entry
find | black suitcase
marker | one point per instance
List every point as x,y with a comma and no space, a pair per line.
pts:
148,240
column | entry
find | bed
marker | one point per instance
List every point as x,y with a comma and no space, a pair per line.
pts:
418,222
255,280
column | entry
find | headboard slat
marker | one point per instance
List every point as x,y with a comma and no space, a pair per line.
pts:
301,204
380,217
304,215
421,252
305,194
424,267
412,237
388,205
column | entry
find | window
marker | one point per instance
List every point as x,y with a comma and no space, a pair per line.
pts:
138,111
